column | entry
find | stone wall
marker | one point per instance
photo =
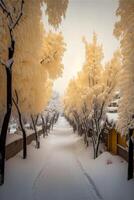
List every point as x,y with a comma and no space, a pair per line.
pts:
16,146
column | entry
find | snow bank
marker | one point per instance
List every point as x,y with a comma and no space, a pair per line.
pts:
109,174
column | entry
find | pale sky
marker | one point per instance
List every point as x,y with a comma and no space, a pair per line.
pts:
83,17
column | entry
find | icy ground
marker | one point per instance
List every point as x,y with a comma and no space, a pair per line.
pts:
63,169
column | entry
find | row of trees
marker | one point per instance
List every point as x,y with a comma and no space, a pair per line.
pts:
89,94
30,60
88,114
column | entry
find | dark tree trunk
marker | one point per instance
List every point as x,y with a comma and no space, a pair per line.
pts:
86,135
6,117
52,122
11,24
36,121
97,146
93,146
24,137
79,130
130,156
74,127
43,126
47,125
36,133
22,127
24,142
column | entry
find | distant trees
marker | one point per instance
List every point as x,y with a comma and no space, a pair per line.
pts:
88,95
124,31
51,114
33,57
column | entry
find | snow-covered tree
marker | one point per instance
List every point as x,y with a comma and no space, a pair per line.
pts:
90,93
10,16
41,60
22,50
124,31
27,58
52,111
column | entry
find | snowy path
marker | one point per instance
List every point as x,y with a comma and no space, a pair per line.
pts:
52,173
63,169
63,178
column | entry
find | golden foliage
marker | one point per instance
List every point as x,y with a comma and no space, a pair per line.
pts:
56,10
53,51
94,85
37,58
124,31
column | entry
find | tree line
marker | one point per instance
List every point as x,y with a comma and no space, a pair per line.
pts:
30,60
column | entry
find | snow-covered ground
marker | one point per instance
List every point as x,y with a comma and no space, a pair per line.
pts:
63,169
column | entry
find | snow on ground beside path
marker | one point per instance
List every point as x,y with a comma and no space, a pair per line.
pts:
20,174
63,169
108,172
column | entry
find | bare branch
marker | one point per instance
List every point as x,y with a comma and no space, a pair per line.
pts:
17,98
15,103
19,16
5,10
102,107
12,23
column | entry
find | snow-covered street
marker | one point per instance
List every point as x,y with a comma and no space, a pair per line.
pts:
62,177
55,172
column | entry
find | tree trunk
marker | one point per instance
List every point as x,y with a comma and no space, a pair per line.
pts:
86,135
43,126
8,68
47,126
97,146
5,124
22,129
36,133
130,156
24,143
24,137
93,145
36,121
74,127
